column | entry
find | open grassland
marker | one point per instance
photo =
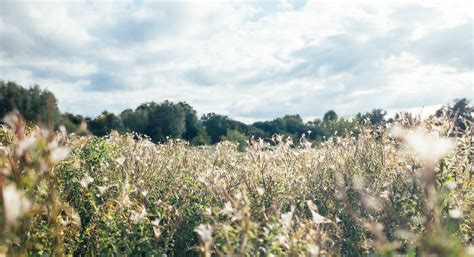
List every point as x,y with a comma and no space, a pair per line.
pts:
405,189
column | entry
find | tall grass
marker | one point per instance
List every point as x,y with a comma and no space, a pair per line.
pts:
404,188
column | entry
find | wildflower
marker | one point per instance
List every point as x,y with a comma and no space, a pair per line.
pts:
85,181
317,218
455,213
428,146
12,120
126,200
470,250
281,239
14,203
372,203
155,223
385,195
120,160
138,217
204,232
260,191
156,232
451,185
25,145
102,189
286,218
239,196
227,208
58,154
4,151
313,250
358,182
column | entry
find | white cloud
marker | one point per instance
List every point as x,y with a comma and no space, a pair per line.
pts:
250,60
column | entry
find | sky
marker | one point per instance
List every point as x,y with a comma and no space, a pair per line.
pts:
250,60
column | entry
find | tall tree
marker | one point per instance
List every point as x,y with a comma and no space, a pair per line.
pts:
459,111
377,116
217,125
35,104
166,120
195,133
104,124
330,115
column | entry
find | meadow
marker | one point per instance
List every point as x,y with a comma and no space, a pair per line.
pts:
404,188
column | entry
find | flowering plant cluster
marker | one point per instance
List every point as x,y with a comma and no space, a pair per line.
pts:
404,188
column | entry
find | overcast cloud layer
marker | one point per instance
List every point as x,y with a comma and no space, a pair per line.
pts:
250,60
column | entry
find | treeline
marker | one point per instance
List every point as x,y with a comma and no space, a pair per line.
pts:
161,121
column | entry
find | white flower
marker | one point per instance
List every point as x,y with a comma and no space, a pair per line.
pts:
450,185
120,160
313,250
126,200
138,217
238,196
204,232
286,218
470,250
281,239
85,181
358,182
14,203
156,232
385,195
102,189
58,154
4,151
429,147
317,218
227,208
372,203
25,145
155,223
455,213
260,191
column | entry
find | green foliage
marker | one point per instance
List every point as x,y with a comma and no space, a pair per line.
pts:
123,195
375,117
73,123
235,136
217,125
330,116
35,104
460,112
105,123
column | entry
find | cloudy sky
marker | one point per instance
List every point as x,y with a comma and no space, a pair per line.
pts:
251,60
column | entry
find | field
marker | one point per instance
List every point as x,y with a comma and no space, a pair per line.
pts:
399,189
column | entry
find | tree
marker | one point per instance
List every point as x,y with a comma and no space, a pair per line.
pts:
104,124
72,122
329,116
36,105
194,133
237,137
461,110
377,116
217,125
136,121
166,120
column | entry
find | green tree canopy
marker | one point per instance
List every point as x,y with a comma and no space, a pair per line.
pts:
330,115
35,104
